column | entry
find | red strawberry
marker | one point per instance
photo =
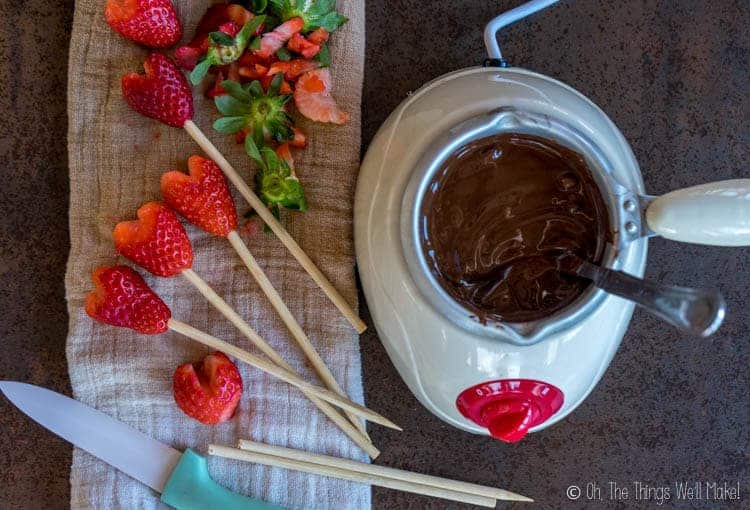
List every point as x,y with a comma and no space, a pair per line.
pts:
162,93
208,390
187,56
272,41
122,298
298,44
312,95
156,241
300,140
284,153
292,69
153,23
230,28
239,14
217,89
202,197
318,36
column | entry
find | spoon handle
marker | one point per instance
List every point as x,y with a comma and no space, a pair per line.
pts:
696,311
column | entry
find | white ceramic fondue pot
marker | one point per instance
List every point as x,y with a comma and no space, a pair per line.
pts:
508,379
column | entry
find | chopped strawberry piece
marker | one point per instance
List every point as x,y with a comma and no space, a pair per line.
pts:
272,41
187,56
162,93
208,390
293,69
284,153
156,241
298,44
318,36
285,89
153,23
122,298
230,28
240,135
217,89
202,197
312,96
254,72
300,140
239,14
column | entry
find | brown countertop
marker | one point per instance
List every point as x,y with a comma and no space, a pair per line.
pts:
674,76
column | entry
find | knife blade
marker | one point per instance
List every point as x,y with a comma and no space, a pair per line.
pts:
182,478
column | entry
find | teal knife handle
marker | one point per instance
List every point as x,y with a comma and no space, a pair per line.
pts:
191,488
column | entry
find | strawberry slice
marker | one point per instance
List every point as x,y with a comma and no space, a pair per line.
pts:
312,96
299,44
208,390
156,241
152,23
202,197
284,153
122,298
272,41
162,93
300,140
318,36
293,69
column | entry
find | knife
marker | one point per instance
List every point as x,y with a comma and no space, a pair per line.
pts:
181,477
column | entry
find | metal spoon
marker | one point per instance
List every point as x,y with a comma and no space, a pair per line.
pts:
696,311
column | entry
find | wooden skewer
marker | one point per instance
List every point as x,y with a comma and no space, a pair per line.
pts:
384,471
278,229
276,371
227,311
318,469
291,323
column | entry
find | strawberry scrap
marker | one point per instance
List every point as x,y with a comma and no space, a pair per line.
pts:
202,197
162,93
208,390
274,64
156,241
122,298
314,100
152,23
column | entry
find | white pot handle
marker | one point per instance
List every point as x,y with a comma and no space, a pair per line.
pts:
717,213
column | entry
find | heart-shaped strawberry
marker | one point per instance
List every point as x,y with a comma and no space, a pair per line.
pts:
162,93
208,390
153,23
122,298
156,241
202,197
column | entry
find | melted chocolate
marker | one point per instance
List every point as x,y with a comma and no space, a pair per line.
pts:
500,216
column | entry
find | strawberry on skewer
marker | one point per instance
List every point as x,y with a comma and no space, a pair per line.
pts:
203,198
152,23
163,94
157,242
122,298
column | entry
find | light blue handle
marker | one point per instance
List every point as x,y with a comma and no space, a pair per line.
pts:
191,488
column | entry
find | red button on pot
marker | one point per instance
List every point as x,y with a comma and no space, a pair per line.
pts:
508,408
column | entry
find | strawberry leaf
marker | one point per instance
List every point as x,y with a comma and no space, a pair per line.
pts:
221,38
229,105
258,6
229,125
283,54
235,90
315,13
201,69
252,150
323,56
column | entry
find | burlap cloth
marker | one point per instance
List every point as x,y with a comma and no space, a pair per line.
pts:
116,159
